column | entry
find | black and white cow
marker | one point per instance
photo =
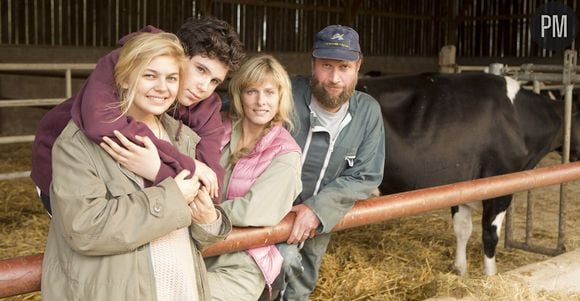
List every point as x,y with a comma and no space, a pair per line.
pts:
442,129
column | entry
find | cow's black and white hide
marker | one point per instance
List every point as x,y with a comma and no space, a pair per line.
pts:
442,129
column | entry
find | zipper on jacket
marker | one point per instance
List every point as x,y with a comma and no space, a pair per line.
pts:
330,150
324,165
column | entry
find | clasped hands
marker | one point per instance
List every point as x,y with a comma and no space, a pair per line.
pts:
145,162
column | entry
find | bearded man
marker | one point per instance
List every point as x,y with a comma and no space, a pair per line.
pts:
341,134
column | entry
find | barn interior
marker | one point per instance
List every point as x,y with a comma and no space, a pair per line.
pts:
48,48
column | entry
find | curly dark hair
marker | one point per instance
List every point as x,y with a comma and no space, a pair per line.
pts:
214,38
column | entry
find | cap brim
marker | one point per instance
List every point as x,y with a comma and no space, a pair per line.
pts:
336,54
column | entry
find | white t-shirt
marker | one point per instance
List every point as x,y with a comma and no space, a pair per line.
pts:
329,120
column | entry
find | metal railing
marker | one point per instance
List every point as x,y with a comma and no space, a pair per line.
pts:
67,71
561,77
22,274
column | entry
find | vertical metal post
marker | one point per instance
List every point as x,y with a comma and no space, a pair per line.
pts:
529,199
568,78
536,84
447,59
529,218
568,74
508,227
68,82
496,68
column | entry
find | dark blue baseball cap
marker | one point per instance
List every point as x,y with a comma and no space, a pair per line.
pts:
337,42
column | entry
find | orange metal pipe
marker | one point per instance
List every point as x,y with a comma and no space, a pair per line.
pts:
364,212
20,275
409,203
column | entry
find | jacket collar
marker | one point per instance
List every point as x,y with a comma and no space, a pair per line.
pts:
262,143
172,128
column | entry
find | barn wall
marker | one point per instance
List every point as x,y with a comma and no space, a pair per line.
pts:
52,85
25,85
387,28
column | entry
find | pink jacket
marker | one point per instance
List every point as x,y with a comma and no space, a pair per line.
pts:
276,142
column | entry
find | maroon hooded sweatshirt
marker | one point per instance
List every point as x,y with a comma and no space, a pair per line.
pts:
93,109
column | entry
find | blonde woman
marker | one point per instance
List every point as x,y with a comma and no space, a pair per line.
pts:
112,237
262,163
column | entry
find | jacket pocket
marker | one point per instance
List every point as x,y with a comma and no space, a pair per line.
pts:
343,158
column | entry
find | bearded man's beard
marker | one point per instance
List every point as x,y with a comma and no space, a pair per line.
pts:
326,99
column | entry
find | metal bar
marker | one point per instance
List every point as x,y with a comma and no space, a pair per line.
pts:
562,218
14,175
16,139
410,203
565,159
525,76
30,102
20,275
534,248
14,271
567,78
568,73
537,86
567,123
544,77
68,82
529,218
545,68
543,86
508,227
472,68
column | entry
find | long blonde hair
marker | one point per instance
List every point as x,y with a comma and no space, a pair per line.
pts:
135,56
253,72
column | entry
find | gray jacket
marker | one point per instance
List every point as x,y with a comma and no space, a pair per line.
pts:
335,176
98,241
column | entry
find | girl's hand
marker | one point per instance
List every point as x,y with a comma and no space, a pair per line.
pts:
207,177
142,160
189,187
202,209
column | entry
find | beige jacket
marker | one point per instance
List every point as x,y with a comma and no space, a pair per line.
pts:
98,242
266,203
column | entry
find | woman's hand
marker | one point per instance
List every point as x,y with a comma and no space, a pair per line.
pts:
142,160
207,177
189,187
305,224
202,208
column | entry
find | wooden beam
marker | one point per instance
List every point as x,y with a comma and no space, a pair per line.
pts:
277,4
206,7
350,12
